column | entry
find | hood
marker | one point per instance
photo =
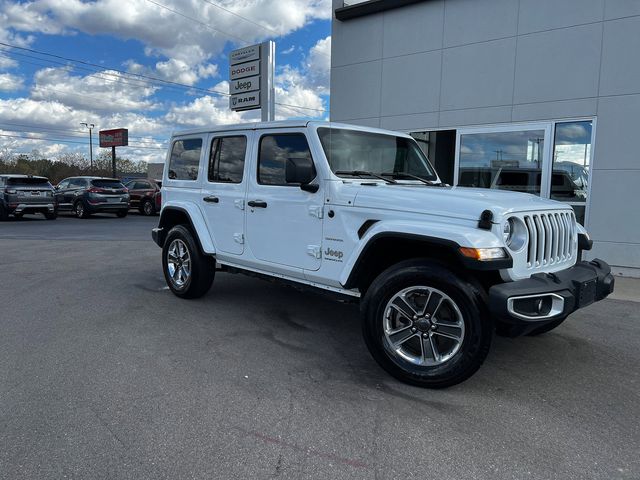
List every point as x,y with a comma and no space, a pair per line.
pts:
457,202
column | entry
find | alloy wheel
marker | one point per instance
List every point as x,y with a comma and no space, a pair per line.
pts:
423,325
178,263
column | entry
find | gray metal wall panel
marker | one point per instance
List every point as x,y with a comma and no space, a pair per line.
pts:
419,89
471,22
558,65
417,28
539,15
478,75
617,133
621,8
359,92
620,45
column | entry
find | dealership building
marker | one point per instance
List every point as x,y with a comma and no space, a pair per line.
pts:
541,96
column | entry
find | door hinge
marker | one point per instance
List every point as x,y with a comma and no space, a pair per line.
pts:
239,238
239,204
316,211
315,251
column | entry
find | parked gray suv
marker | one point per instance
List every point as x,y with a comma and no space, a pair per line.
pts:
86,195
20,194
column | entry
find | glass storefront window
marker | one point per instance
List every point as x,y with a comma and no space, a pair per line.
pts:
507,160
571,158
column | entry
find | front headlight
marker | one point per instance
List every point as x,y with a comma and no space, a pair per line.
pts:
515,234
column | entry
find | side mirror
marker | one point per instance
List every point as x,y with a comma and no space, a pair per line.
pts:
300,171
57,187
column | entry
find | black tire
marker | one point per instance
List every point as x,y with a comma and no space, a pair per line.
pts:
4,214
202,267
51,216
18,216
122,213
464,294
148,208
80,209
547,327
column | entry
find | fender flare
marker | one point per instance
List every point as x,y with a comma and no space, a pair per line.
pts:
196,223
450,237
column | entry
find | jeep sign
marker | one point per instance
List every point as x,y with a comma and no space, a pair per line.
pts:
118,137
248,84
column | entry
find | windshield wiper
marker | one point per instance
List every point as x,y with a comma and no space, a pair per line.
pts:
362,173
409,175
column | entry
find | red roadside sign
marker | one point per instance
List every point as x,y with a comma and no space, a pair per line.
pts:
118,137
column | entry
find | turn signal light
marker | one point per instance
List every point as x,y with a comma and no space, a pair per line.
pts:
483,254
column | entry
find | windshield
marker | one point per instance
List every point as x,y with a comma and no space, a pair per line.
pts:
352,150
29,182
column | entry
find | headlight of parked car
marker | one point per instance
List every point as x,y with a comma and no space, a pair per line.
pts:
515,234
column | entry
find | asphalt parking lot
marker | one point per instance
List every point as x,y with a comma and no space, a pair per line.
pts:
105,374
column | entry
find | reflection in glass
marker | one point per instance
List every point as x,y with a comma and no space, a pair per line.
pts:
503,160
571,157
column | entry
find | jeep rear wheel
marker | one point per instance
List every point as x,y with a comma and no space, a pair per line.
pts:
189,273
425,325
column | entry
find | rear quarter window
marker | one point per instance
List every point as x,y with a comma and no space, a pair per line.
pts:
185,159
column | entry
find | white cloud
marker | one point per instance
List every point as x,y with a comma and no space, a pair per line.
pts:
10,82
192,40
108,90
318,65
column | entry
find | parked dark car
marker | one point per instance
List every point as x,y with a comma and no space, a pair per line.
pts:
87,195
20,194
142,193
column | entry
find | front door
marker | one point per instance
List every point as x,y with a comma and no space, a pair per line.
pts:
284,222
223,192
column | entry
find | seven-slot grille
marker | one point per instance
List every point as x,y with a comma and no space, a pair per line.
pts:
551,238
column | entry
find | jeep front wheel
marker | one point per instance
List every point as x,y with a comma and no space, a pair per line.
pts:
425,325
189,273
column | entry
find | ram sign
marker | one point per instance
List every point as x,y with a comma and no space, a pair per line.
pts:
118,137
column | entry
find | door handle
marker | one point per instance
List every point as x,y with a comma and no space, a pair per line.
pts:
257,204
211,199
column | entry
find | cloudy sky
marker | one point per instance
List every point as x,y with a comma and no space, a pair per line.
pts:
152,66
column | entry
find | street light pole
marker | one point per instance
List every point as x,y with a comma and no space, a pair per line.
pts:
90,126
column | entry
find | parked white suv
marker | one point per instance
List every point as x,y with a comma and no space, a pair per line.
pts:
361,212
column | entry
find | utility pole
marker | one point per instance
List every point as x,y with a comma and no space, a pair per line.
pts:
90,126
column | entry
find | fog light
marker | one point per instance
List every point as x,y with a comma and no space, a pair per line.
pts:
536,307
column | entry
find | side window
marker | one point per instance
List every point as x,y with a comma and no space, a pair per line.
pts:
274,152
77,183
226,163
64,184
185,159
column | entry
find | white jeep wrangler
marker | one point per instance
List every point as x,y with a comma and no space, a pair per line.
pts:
361,212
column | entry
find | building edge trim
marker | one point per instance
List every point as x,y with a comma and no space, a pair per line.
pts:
372,6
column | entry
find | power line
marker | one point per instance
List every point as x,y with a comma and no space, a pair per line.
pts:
154,79
199,22
58,140
71,133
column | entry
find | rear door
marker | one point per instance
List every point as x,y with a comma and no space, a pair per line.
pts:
224,190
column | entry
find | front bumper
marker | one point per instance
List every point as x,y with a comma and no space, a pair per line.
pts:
546,297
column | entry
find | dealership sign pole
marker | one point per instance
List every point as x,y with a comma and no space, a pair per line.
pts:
251,79
114,138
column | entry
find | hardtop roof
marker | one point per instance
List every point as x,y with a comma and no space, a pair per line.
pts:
282,124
